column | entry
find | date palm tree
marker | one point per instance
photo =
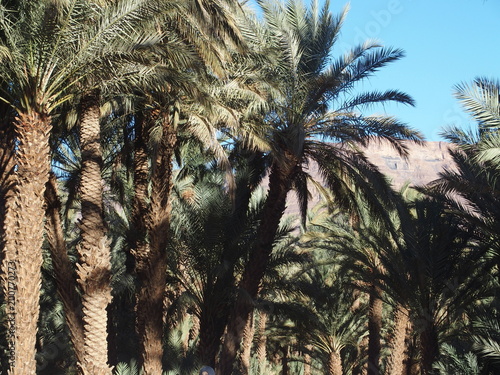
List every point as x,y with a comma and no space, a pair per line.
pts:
311,105
51,53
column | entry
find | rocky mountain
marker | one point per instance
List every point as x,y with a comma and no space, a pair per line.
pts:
423,164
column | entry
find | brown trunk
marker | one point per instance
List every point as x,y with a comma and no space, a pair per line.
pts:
94,268
285,370
279,185
7,179
262,342
246,349
218,302
24,235
64,273
374,330
151,260
307,360
429,347
397,342
334,364
412,360
7,164
137,235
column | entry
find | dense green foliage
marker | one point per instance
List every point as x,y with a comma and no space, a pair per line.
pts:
210,119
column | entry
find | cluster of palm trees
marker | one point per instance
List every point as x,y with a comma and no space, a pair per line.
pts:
148,150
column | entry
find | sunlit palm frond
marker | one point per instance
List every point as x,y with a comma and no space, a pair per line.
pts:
481,100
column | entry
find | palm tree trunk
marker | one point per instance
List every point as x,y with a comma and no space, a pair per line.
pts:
397,342
64,273
429,347
334,363
7,165
247,347
151,264
285,369
307,360
24,235
217,308
374,330
137,235
279,185
262,342
94,268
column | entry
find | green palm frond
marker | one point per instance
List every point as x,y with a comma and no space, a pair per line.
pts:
481,100
454,362
123,368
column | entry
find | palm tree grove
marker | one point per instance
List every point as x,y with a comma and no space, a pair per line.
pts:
149,154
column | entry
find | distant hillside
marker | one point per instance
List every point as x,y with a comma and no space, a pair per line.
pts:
423,165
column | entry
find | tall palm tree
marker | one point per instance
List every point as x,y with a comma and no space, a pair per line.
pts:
50,56
300,116
436,263
200,34
30,57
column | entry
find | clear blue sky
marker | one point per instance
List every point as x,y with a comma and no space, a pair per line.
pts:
447,42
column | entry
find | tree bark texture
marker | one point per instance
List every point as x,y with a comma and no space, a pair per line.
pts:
397,342
429,347
246,350
24,235
261,351
151,261
334,363
279,185
216,310
7,164
94,268
64,272
374,330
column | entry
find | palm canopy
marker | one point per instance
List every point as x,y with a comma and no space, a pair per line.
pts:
315,98
49,50
481,99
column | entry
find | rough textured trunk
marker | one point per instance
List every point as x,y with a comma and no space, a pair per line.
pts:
374,330
262,342
307,360
216,310
397,342
94,268
411,363
24,235
137,235
151,260
429,347
334,364
64,273
279,185
246,348
7,164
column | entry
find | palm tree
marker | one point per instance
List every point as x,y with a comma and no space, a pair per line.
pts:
200,34
437,264
481,100
49,57
301,40
31,92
